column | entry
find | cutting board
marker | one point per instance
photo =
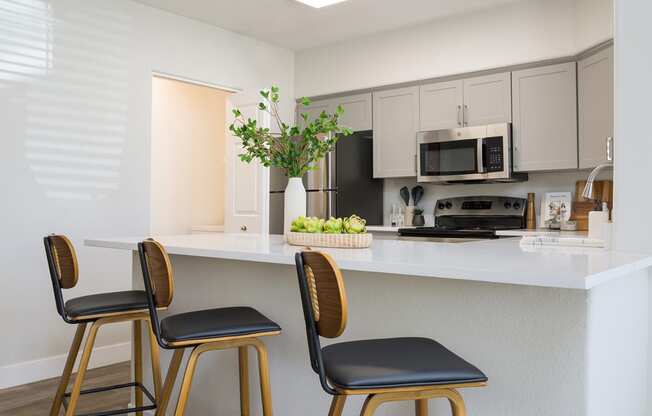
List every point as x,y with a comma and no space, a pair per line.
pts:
602,191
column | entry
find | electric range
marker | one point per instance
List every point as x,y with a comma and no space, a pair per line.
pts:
471,218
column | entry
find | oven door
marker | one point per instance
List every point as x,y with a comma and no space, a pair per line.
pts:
466,154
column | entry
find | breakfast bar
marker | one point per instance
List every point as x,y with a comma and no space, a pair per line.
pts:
544,324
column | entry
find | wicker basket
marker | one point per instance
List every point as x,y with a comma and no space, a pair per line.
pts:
329,240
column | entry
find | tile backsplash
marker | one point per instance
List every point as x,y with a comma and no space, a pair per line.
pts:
539,183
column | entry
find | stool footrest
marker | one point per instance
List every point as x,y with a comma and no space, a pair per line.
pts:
117,411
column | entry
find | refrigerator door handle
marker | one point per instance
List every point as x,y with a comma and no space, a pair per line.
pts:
330,211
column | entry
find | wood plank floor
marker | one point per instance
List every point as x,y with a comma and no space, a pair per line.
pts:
36,398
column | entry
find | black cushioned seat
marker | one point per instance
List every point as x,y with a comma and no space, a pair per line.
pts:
215,323
396,362
131,300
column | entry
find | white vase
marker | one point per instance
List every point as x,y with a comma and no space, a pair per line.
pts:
295,202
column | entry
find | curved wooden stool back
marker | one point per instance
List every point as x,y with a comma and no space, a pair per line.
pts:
327,293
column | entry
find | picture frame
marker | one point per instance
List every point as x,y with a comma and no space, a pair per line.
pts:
556,208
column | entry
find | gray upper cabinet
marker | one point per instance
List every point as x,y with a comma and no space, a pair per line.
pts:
357,110
313,110
596,107
545,118
395,124
441,105
487,99
466,102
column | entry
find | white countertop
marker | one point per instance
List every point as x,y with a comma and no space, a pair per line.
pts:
497,261
541,232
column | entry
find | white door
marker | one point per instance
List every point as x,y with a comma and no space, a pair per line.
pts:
247,190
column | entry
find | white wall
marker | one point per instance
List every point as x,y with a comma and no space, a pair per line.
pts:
75,105
518,33
633,147
188,156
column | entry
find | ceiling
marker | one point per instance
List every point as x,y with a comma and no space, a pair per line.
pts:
296,26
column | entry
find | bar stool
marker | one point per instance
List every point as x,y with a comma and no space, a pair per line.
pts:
205,330
98,310
386,370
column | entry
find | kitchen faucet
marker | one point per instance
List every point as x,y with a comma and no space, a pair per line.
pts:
588,188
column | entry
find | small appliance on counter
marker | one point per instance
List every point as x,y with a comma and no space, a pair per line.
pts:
470,218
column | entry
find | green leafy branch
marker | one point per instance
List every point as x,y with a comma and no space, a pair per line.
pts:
295,150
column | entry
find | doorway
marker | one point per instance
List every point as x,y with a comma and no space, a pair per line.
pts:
188,156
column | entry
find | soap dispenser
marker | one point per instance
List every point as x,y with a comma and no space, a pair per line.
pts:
597,220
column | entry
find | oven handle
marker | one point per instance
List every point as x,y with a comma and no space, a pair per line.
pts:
481,167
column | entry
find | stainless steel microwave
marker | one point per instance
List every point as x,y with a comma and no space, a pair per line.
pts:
468,154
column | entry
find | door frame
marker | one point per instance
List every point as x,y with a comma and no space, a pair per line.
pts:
265,185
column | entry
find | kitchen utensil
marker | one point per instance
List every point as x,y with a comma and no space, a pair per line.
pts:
405,195
417,194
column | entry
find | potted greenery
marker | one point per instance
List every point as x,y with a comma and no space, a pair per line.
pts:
293,149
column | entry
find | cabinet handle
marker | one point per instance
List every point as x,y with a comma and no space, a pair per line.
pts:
466,115
243,228
610,151
459,113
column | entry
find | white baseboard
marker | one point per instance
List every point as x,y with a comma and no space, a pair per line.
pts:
44,368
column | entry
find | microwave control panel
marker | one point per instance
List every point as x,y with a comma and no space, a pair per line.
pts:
493,154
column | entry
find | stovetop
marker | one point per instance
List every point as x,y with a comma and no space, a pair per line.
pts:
475,217
447,232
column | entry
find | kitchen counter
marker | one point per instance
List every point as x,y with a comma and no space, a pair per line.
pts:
495,261
542,232
529,318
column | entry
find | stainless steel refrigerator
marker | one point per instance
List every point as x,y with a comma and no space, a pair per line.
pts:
342,185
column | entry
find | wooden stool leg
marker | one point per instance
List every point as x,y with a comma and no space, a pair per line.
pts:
138,362
243,364
337,405
263,371
173,370
67,369
421,407
156,361
187,382
371,403
457,402
81,372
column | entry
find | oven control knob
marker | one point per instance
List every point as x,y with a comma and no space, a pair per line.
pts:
441,205
508,205
449,205
517,205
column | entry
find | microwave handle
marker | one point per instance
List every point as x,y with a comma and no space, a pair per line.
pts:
481,167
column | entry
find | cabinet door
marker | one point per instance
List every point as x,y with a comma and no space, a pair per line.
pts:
395,122
488,99
313,110
596,107
357,111
545,118
441,105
